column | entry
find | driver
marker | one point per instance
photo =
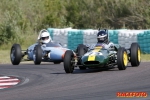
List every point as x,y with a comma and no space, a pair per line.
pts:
103,39
44,37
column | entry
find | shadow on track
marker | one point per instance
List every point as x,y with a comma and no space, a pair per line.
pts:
78,71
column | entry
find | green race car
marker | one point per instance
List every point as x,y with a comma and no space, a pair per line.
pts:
99,57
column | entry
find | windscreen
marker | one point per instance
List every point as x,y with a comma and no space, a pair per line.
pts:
52,44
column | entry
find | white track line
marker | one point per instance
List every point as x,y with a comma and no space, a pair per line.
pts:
3,87
7,80
12,83
2,77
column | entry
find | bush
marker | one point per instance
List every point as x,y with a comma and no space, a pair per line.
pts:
6,33
28,17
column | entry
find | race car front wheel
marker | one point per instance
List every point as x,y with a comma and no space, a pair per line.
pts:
122,58
81,50
135,55
15,54
37,55
69,61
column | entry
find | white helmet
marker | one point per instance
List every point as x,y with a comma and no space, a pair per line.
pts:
45,36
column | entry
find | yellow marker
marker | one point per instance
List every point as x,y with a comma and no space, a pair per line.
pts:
97,49
91,58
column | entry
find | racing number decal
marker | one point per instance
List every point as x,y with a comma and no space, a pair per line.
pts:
97,49
92,56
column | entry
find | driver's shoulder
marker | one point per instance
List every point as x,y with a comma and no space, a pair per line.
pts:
110,43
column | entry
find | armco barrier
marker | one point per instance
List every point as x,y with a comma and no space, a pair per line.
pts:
73,37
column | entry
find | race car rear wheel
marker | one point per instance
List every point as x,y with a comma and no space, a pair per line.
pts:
69,61
37,55
122,58
81,50
15,54
135,55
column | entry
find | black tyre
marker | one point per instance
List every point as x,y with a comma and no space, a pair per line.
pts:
37,55
15,54
81,50
135,55
69,61
122,58
57,62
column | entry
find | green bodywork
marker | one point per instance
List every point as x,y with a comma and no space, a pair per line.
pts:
100,59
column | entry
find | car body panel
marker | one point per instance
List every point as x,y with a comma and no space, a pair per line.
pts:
97,57
100,57
56,51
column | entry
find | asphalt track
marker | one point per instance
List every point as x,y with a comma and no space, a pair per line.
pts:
50,82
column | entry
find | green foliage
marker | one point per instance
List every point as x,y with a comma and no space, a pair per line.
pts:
6,33
26,17
55,14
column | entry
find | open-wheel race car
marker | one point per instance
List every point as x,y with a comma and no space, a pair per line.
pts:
99,57
50,52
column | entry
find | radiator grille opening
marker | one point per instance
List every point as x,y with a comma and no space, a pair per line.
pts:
91,62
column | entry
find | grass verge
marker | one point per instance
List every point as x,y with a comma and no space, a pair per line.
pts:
27,40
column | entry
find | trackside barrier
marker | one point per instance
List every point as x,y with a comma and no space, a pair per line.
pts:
144,41
72,37
127,37
75,37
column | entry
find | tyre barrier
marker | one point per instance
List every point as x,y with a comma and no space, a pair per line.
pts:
72,37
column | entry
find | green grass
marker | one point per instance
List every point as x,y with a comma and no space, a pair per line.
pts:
27,40
145,57
5,57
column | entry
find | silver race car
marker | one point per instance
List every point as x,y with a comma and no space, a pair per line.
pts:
50,52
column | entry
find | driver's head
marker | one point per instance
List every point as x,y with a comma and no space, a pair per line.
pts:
45,36
102,36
